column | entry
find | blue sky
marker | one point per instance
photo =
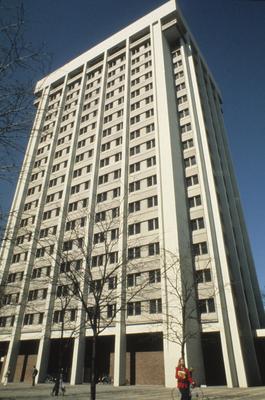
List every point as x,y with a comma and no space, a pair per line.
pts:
231,36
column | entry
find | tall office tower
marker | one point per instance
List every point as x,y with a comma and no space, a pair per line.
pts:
131,133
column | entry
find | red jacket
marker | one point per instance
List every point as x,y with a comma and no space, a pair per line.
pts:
183,377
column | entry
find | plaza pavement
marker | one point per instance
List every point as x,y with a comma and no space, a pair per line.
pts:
108,392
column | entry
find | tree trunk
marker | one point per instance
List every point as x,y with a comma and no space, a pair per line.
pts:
60,361
93,368
183,350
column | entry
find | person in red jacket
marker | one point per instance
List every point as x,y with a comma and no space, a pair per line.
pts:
184,380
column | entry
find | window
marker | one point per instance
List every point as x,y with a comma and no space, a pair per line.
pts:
75,189
73,314
135,134
192,180
184,113
73,206
40,252
113,257
114,234
117,174
185,128
116,192
16,258
101,197
152,201
99,237
151,180
206,306
28,319
133,186
182,99
155,306
104,162
115,212
134,229
153,249
62,291
100,216
194,201
200,249
135,206
111,310
151,161
68,245
97,261
135,167
134,308
105,146
3,321
155,276
152,224
180,86
112,283
150,144
33,295
134,252
47,215
103,179
187,144
133,279
190,161
197,223
65,267
58,316
203,275
40,319
134,150
150,128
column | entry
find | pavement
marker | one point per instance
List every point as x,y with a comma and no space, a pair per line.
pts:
108,392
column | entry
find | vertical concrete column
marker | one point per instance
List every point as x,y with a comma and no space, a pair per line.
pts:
175,237
77,372
120,328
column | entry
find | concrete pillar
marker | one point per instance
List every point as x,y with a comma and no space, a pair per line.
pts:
120,329
77,371
43,359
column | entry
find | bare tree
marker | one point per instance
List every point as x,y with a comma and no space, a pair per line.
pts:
20,63
95,283
183,312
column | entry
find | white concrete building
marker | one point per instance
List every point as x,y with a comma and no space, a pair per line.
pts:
133,127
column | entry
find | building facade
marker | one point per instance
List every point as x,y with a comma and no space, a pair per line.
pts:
132,132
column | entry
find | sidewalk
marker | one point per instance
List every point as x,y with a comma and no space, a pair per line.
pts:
108,392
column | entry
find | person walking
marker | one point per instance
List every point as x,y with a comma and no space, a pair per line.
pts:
184,380
61,383
56,387
6,377
34,374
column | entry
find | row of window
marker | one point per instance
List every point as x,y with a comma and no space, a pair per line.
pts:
136,167
101,197
135,186
135,308
111,213
37,294
44,251
134,229
135,252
